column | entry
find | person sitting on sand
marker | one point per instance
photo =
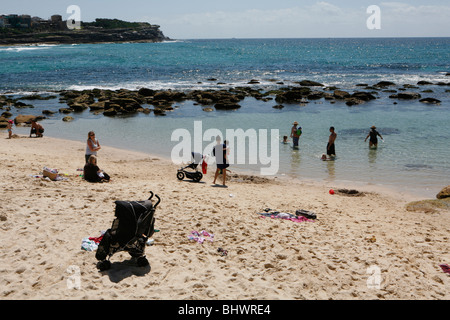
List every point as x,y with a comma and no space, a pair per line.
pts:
37,129
373,134
93,173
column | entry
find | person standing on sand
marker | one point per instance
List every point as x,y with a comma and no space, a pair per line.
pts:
220,151
330,146
295,134
9,127
373,134
92,146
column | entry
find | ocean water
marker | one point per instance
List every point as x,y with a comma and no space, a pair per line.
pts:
414,156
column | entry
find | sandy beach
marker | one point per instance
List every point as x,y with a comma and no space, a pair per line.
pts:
359,247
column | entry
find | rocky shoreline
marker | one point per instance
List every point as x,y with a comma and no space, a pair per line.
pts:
88,35
128,102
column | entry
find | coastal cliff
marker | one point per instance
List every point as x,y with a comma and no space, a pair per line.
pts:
94,32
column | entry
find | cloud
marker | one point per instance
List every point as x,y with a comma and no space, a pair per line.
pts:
320,19
410,20
404,11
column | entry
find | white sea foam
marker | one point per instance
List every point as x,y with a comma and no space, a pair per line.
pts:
29,47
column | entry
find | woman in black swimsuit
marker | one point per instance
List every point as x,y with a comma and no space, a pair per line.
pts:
373,134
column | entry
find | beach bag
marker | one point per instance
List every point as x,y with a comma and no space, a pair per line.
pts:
50,173
306,214
299,132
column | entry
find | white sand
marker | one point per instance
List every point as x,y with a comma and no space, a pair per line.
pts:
43,223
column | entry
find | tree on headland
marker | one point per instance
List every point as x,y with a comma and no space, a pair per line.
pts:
114,24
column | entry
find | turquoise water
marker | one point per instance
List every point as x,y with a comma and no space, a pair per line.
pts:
414,156
182,64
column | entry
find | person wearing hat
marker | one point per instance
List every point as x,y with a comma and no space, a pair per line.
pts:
296,133
9,127
373,134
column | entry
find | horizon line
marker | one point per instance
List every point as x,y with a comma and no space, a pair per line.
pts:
280,38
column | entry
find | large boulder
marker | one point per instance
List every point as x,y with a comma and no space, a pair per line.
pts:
340,94
362,95
3,122
408,95
310,83
352,101
22,118
315,95
164,95
65,110
78,107
70,94
99,105
82,99
385,84
125,102
430,100
145,92
159,112
110,112
293,95
67,119
444,193
226,105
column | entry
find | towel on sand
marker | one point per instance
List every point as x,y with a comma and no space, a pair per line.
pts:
285,216
201,236
445,268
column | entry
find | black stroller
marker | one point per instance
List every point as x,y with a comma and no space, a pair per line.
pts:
192,174
133,225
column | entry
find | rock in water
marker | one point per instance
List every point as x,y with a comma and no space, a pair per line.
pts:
430,100
444,193
408,95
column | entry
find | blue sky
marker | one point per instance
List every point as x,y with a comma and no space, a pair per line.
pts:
195,19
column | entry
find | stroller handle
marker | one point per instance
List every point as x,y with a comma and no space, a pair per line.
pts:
151,196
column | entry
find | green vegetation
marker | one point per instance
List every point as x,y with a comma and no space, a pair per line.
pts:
114,24
13,31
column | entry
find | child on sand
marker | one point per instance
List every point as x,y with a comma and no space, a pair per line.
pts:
9,127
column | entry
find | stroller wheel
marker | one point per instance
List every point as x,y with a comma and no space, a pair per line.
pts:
104,265
198,177
180,175
142,262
